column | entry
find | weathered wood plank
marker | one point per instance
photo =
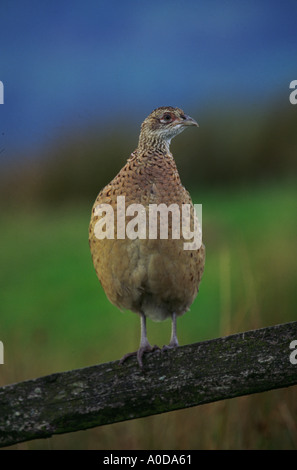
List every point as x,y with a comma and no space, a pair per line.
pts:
241,364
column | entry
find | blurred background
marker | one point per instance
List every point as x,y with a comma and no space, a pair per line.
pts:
79,78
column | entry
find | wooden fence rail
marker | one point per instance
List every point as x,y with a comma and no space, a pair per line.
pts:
241,364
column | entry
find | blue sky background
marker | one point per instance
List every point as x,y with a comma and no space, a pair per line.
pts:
75,64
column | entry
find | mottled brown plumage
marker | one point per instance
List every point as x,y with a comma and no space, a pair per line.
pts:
155,278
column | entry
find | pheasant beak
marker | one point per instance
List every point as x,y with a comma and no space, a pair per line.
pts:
188,121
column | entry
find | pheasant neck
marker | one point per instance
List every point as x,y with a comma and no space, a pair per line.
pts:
156,143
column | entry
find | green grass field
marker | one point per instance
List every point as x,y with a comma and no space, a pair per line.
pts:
55,316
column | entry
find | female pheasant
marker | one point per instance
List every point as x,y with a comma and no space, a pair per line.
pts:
154,277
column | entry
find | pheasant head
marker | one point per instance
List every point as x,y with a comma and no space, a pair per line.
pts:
161,126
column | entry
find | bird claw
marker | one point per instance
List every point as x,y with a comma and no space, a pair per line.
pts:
139,353
170,346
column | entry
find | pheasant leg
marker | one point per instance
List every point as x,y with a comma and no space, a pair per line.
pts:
173,340
144,344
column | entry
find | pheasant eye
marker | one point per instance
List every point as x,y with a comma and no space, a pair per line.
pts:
166,118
